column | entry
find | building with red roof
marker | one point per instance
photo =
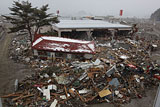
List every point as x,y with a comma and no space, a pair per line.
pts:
68,46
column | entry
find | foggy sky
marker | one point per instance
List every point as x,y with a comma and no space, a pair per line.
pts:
137,8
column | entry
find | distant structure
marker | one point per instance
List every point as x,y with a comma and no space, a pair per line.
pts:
88,26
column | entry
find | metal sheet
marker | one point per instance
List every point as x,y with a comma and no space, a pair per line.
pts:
89,24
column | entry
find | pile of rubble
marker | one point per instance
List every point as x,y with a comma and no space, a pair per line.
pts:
20,49
120,71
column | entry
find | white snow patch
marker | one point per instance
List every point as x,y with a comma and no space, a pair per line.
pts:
81,50
57,49
88,24
65,40
37,41
91,46
124,57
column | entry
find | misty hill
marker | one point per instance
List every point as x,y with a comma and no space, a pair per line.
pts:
156,15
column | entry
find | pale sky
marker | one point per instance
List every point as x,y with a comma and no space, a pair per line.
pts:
131,8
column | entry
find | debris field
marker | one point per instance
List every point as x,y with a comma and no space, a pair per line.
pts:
120,70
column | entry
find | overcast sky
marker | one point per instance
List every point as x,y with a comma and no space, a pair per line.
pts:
137,8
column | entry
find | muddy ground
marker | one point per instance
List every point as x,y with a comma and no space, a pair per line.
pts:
10,71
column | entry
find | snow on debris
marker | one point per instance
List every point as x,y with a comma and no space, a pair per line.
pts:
91,46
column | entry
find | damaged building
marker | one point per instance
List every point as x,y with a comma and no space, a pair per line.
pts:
49,47
90,29
87,30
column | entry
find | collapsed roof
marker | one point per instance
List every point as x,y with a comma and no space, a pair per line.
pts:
59,44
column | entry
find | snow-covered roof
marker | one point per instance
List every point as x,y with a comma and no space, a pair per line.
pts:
93,24
50,43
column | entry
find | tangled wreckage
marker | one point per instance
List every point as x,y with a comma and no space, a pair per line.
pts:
119,70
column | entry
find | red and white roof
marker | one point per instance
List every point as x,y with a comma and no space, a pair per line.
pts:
59,44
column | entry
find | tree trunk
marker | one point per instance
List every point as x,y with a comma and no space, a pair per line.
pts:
36,30
30,34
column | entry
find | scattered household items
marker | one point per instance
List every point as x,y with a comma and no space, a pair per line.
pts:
116,73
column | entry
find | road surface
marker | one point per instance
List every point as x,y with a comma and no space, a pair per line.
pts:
9,71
